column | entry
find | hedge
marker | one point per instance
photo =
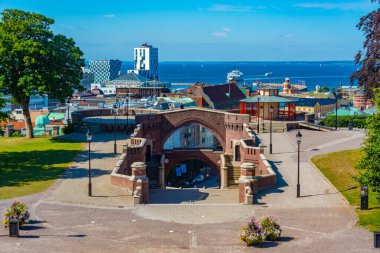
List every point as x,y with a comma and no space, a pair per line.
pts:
358,121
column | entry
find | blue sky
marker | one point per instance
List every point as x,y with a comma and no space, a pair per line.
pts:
205,30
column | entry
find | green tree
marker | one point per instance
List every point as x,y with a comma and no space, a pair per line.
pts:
3,115
368,75
324,88
370,162
35,61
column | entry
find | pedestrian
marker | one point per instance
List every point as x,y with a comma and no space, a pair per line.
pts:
181,105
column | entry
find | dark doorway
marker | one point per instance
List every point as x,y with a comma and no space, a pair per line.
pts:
237,153
148,154
193,174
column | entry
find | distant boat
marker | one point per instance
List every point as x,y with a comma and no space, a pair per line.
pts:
268,74
235,74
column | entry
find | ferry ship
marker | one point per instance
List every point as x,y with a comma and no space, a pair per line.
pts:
235,74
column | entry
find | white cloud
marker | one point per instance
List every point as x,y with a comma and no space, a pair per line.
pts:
220,34
348,6
109,16
230,8
223,33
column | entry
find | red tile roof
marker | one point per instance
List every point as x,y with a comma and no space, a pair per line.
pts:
218,93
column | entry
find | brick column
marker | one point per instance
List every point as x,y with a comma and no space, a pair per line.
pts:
140,181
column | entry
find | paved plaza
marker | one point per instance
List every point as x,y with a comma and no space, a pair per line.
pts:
65,219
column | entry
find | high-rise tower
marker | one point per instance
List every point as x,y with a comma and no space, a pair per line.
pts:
146,61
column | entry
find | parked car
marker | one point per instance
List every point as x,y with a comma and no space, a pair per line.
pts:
199,179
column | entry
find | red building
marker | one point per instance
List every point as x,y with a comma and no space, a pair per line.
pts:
267,99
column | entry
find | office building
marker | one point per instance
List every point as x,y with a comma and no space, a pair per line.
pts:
146,61
105,70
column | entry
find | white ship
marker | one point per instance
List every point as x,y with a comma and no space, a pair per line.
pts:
235,74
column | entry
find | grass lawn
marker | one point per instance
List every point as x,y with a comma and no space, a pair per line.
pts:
31,166
338,167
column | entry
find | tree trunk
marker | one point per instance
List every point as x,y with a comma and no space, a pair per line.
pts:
27,118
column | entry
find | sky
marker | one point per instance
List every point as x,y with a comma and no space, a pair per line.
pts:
205,30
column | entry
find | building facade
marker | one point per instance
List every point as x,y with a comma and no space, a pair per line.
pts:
146,61
105,70
317,106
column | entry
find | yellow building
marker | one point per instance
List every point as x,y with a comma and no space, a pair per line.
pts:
317,106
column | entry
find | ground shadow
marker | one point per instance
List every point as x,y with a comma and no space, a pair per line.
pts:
176,196
83,172
328,193
276,189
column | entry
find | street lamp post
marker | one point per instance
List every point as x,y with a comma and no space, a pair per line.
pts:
115,119
271,118
89,138
258,114
298,137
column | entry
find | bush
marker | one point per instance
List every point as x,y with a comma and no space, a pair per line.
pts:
18,211
358,121
68,129
258,232
271,228
17,134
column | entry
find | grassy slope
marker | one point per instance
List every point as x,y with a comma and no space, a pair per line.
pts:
339,168
31,166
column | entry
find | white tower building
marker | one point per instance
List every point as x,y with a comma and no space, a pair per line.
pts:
146,61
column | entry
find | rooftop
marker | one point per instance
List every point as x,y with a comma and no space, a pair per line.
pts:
311,102
223,92
267,99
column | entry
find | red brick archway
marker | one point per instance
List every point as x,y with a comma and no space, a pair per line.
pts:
185,122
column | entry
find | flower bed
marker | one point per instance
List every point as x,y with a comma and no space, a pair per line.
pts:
17,211
257,232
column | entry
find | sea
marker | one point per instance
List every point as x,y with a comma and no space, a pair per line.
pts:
310,73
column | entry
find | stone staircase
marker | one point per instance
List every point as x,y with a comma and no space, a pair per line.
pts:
277,127
152,172
233,172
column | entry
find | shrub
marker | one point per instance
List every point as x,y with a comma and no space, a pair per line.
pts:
17,211
17,134
358,121
271,228
68,129
258,232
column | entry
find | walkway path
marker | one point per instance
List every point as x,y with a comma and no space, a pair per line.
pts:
320,221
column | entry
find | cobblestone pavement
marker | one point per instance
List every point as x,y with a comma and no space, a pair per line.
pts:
320,221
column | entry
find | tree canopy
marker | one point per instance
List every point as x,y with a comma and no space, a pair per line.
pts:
370,162
33,60
368,76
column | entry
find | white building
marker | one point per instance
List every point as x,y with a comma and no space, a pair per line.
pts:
146,61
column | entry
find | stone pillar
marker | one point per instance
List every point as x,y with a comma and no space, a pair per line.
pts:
223,177
140,181
9,129
247,172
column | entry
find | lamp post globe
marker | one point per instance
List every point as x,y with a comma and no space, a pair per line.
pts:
299,139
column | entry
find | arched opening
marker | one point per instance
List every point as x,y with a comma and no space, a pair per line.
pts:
192,136
148,154
193,173
237,153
